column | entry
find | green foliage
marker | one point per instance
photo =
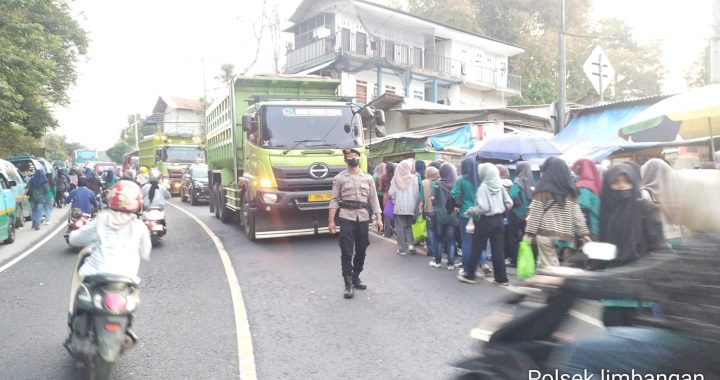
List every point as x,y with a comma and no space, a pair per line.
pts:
699,74
40,43
537,91
128,134
118,150
226,73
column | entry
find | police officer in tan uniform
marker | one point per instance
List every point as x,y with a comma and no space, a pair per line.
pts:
355,196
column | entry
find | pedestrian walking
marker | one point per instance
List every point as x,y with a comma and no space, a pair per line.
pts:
445,217
589,186
72,174
464,193
50,198
62,183
491,204
38,190
405,193
388,207
355,196
431,176
554,214
658,187
521,192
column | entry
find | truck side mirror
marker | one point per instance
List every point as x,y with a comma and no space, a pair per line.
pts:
248,123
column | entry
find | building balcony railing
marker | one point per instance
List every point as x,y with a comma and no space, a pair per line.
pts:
357,44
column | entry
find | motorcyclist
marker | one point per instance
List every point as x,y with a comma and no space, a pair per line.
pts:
82,198
129,175
116,237
142,177
154,195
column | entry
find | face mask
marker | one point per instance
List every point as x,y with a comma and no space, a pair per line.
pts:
353,162
625,194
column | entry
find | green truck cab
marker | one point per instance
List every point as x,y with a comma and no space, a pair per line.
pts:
171,154
274,146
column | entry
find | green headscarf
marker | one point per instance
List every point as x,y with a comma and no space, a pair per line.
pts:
489,176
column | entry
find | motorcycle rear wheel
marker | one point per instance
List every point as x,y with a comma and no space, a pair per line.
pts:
100,369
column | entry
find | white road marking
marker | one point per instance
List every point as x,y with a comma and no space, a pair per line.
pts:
33,248
581,316
246,358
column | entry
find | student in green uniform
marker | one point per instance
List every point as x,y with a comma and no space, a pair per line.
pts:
589,185
521,193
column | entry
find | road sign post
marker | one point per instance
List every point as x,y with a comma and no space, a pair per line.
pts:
599,70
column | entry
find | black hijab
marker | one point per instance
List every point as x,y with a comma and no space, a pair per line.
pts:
524,177
469,170
556,179
435,164
621,215
420,168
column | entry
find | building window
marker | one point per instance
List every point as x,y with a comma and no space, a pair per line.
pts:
417,57
361,91
345,41
390,51
419,95
390,90
361,43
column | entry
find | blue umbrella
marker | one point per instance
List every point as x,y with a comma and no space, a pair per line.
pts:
514,147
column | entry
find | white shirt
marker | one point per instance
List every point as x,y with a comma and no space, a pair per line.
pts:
161,194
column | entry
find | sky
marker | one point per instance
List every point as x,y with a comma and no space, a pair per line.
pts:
140,50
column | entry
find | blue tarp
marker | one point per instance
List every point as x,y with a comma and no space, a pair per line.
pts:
459,139
594,135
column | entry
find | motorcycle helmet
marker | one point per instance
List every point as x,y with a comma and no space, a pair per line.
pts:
154,175
144,170
125,196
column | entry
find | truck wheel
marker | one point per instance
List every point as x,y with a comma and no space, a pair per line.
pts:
248,218
19,218
11,233
217,190
212,199
226,215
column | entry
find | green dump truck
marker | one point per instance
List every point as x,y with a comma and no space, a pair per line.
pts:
171,153
274,144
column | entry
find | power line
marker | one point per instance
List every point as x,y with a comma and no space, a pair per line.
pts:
594,37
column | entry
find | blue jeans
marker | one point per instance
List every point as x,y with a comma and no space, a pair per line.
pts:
431,238
642,349
445,239
467,245
38,208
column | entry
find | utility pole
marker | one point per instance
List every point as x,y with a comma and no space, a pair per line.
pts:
561,71
137,141
204,106
715,44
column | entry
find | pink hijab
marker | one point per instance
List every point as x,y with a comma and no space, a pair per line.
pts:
404,175
588,176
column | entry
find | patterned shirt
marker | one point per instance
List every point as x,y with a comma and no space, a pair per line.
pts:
354,187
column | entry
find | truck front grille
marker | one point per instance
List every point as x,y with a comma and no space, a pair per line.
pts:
298,179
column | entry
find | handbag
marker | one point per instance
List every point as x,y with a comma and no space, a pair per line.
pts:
419,229
389,210
525,261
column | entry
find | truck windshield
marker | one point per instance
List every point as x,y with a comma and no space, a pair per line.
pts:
300,127
199,172
183,154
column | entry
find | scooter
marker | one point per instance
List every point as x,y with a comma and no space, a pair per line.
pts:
77,219
154,219
523,333
99,318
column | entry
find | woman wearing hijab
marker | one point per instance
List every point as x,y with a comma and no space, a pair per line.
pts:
464,193
38,190
50,203
385,181
491,204
445,216
378,173
658,187
110,179
406,196
589,185
554,213
521,192
431,175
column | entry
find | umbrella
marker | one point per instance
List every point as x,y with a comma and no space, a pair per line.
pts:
514,147
691,114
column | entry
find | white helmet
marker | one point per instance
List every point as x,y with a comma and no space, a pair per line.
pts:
154,175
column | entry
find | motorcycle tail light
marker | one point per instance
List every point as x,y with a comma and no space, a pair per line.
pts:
112,327
115,302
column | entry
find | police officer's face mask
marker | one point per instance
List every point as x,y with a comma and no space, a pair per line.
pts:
354,162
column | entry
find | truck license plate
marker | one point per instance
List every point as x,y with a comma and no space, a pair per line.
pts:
319,197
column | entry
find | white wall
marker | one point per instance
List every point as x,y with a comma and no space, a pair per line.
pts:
182,121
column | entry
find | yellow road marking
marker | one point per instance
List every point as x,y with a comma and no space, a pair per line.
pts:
246,358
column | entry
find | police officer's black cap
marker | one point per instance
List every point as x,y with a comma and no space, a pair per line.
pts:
347,151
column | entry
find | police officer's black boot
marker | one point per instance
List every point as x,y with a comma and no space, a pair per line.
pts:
349,292
357,283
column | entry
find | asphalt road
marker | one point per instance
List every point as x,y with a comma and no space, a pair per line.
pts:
411,322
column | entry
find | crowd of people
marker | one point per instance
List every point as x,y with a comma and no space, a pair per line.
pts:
482,211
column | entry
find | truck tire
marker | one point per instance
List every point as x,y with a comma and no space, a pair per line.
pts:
249,221
226,215
217,190
211,199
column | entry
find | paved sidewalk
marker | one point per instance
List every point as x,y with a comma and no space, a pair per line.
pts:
26,237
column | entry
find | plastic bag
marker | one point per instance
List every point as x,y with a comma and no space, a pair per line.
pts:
389,210
419,229
470,226
525,261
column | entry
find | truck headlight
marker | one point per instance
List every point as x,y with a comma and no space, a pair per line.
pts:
269,198
264,182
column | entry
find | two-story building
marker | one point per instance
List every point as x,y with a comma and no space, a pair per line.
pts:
375,50
175,115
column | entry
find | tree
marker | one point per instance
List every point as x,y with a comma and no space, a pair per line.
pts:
275,35
128,134
457,13
40,44
118,150
258,31
699,74
226,73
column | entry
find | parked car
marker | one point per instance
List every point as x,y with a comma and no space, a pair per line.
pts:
26,165
10,173
194,184
7,211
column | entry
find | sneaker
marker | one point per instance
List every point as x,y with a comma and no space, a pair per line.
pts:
47,222
466,280
501,283
461,272
435,265
412,250
36,227
451,267
401,253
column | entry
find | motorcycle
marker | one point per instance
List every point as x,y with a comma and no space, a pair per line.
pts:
100,316
521,336
77,219
154,219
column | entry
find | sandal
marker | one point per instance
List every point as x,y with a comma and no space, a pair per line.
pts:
486,269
